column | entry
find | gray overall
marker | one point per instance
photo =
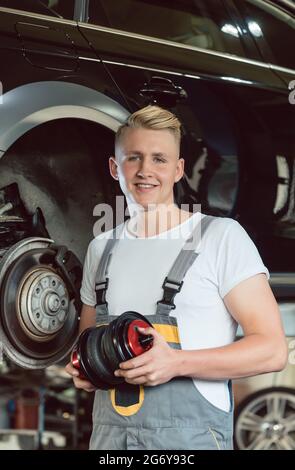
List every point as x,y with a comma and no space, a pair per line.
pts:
170,416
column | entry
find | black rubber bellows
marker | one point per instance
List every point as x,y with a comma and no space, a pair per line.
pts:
99,350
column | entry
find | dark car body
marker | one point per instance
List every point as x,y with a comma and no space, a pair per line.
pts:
71,73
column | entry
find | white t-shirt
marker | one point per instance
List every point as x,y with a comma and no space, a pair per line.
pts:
139,266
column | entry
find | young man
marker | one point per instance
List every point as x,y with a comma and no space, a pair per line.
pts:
177,394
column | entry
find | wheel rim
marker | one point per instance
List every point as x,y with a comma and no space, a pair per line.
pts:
267,422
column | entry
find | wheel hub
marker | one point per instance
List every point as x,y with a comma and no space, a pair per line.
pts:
274,430
43,301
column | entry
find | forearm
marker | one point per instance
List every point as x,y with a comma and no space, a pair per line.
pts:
252,355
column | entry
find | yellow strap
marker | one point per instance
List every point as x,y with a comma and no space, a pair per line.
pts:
169,332
127,410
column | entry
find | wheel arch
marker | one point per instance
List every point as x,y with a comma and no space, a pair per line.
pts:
30,105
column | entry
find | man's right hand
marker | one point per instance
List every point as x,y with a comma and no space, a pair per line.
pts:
79,383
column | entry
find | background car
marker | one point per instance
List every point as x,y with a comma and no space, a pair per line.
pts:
73,71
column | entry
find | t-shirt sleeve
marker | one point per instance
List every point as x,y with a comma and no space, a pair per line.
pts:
87,291
238,258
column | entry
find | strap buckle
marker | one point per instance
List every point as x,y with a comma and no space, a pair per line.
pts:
171,288
100,289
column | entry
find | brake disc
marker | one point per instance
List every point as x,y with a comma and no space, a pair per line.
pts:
39,309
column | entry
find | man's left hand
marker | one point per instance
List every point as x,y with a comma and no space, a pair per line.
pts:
154,367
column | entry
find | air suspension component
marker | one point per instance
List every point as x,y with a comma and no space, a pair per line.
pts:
100,350
39,302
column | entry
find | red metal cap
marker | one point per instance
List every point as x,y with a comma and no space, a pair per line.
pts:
133,337
75,359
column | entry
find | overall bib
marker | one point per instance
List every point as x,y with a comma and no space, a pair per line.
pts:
170,416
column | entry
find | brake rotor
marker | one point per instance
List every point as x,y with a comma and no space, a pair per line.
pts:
39,318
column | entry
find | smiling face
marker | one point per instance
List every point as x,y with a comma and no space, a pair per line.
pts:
147,165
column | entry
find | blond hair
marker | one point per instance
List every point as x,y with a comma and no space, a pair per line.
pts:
151,117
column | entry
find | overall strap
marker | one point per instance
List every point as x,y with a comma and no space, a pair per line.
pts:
174,280
101,279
